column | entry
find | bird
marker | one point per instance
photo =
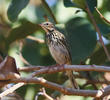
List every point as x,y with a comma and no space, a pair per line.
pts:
59,49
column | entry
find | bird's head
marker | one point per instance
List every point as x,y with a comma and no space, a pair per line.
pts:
47,26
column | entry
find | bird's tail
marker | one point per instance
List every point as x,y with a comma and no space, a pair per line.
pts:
72,79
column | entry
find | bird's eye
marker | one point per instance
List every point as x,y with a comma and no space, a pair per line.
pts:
47,24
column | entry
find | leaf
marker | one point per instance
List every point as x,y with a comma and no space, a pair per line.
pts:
82,38
99,57
74,3
68,3
107,5
32,52
25,29
79,3
92,4
45,4
8,69
105,30
15,8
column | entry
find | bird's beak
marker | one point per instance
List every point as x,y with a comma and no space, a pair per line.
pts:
43,27
40,25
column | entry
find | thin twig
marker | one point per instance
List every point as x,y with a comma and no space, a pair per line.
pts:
43,92
46,95
36,39
21,56
46,18
11,90
23,59
101,16
98,31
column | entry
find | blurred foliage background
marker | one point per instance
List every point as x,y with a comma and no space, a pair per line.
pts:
20,18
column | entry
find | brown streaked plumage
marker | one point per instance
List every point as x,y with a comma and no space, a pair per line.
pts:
58,48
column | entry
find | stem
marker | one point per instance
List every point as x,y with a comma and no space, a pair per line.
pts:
101,16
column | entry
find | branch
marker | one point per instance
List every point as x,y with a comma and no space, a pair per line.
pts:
101,16
62,68
42,81
36,39
50,69
64,90
54,69
43,92
106,91
98,31
30,68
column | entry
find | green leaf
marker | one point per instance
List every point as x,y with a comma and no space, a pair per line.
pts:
82,38
68,3
99,57
25,29
92,4
105,30
32,52
15,8
79,3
